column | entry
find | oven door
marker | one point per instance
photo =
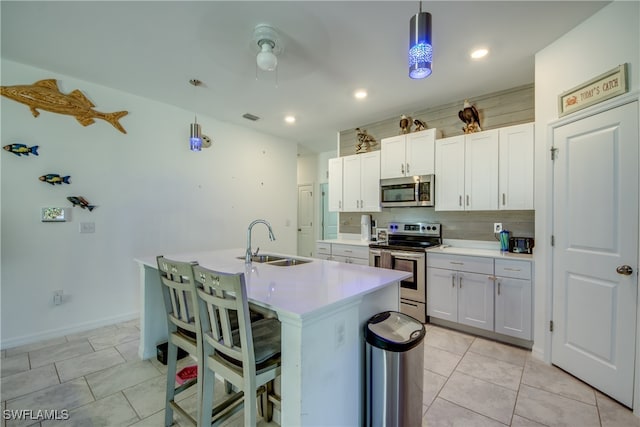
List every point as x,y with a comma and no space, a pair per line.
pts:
414,287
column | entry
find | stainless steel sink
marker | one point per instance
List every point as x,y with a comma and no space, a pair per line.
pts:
277,260
289,262
264,258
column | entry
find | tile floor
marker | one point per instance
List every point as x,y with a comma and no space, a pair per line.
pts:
468,381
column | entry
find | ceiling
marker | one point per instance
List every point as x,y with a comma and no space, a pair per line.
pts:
153,48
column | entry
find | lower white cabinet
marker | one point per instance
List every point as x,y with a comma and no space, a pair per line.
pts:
460,289
513,298
349,254
493,295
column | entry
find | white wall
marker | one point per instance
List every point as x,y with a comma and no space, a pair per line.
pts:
154,196
602,42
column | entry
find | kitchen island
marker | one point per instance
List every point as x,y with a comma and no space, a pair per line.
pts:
322,305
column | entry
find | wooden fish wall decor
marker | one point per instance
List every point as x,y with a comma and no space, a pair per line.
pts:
45,95
80,201
21,149
54,178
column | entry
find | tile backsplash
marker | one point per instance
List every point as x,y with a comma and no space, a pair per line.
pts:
472,225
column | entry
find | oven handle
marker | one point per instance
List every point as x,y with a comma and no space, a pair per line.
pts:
408,255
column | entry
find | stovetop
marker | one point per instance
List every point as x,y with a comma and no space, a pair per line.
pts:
417,237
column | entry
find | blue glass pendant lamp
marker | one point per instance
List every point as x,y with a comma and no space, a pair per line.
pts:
195,140
420,49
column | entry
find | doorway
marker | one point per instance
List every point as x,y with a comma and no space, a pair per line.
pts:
595,248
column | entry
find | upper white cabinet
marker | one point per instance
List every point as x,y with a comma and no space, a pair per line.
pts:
486,171
467,172
335,184
516,167
408,155
361,182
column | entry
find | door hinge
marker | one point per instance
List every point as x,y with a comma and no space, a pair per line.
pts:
550,325
553,240
554,153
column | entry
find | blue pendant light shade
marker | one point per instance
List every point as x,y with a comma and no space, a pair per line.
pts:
420,50
195,141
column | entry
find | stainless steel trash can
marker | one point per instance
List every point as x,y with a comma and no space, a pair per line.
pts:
394,357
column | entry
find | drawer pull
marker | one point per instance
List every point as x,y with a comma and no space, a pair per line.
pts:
456,262
512,269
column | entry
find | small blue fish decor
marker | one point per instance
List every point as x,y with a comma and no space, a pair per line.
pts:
21,149
54,178
80,201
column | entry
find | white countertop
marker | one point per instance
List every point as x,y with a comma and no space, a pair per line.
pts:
483,252
299,290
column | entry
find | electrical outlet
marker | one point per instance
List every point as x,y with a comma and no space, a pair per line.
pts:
57,297
497,227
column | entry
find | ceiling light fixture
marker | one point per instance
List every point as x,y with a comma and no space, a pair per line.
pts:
266,39
360,94
290,119
420,48
479,53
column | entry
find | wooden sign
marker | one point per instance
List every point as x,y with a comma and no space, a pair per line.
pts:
598,89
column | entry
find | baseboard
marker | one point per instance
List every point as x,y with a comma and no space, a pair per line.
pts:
537,353
55,333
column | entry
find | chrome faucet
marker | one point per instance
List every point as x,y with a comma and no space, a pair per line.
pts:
249,254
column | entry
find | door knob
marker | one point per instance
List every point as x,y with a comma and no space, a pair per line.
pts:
624,269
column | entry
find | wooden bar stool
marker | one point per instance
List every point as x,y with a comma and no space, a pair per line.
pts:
247,357
182,321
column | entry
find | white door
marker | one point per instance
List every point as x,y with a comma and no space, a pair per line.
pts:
306,242
595,226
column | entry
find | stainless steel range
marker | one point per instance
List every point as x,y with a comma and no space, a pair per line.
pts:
405,250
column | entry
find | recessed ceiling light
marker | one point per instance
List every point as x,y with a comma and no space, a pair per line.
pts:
290,119
360,94
479,53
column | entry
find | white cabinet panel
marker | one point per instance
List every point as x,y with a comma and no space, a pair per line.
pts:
481,171
335,185
513,307
516,167
442,294
450,174
408,155
475,300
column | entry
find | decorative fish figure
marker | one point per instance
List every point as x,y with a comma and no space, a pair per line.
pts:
54,178
20,149
80,201
45,95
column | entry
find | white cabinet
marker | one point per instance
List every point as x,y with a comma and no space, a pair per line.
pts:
323,250
467,172
486,171
489,294
361,182
450,174
408,155
516,167
341,252
350,254
513,298
460,289
335,184
481,171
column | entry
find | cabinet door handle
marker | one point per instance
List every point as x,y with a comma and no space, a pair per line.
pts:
402,168
408,169
498,287
453,280
467,200
460,281
460,200
503,199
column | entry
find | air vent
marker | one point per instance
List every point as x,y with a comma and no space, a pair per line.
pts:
250,117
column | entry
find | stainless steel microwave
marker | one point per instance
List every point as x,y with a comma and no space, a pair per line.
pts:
407,191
